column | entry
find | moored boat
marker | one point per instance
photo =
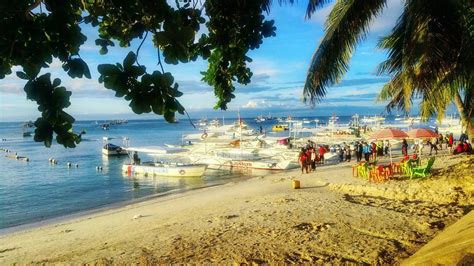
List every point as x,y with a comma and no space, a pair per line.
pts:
164,169
171,168
110,149
279,128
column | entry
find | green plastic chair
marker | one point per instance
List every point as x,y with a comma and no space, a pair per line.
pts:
407,167
422,171
363,170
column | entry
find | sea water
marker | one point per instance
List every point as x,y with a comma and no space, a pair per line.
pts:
38,190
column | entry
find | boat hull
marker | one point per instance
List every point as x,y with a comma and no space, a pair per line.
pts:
171,171
223,163
118,152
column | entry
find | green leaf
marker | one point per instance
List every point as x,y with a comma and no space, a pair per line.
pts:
129,60
107,69
169,117
22,75
56,82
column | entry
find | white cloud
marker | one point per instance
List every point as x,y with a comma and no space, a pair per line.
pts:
266,67
258,104
250,105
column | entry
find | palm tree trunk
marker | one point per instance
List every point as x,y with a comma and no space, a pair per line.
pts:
465,109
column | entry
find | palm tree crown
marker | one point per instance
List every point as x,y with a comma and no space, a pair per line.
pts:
430,54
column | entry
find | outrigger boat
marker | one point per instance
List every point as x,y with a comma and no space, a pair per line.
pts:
241,159
110,149
160,168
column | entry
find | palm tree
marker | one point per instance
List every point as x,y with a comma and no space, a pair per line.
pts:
430,54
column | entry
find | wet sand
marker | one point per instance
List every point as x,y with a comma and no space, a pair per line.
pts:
334,218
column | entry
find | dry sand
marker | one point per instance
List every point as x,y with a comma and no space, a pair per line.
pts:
334,218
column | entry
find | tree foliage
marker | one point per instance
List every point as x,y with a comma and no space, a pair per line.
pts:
34,32
430,54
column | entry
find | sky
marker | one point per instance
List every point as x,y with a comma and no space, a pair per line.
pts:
279,69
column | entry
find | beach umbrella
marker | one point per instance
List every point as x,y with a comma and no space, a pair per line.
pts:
387,134
422,133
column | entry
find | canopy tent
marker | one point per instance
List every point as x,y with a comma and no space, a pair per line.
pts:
422,133
387,134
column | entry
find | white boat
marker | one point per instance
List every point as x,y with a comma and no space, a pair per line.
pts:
260,119
164,169
372,119
175,169
202,122
110,149
230,159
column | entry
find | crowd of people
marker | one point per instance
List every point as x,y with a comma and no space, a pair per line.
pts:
311,154
441,142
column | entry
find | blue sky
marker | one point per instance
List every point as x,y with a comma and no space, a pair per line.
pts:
279,68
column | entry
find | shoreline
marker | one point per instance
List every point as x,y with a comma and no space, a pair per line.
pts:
102,208
117,205
259,220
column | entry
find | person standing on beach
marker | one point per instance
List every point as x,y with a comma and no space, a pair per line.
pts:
308,159
367,151
374,151
348,153
321,152
433,145
303,161
386,146
379,148
404,148
450,143
340,152
440,141
313,159
360,149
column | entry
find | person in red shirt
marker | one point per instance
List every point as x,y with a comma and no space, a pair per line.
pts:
459,149
321,152
308,160
465,147
450,142
303,159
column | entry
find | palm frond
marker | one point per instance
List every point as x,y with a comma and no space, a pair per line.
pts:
347,24
313,5
430,56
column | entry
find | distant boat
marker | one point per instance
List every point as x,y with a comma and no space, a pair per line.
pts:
25,130
28,124
260,119
373,119
279,128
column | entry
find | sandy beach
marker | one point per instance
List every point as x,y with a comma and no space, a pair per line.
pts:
334,218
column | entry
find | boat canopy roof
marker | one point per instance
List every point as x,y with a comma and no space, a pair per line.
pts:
157,150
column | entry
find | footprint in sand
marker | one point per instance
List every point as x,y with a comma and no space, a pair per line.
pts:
227,217
312,227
